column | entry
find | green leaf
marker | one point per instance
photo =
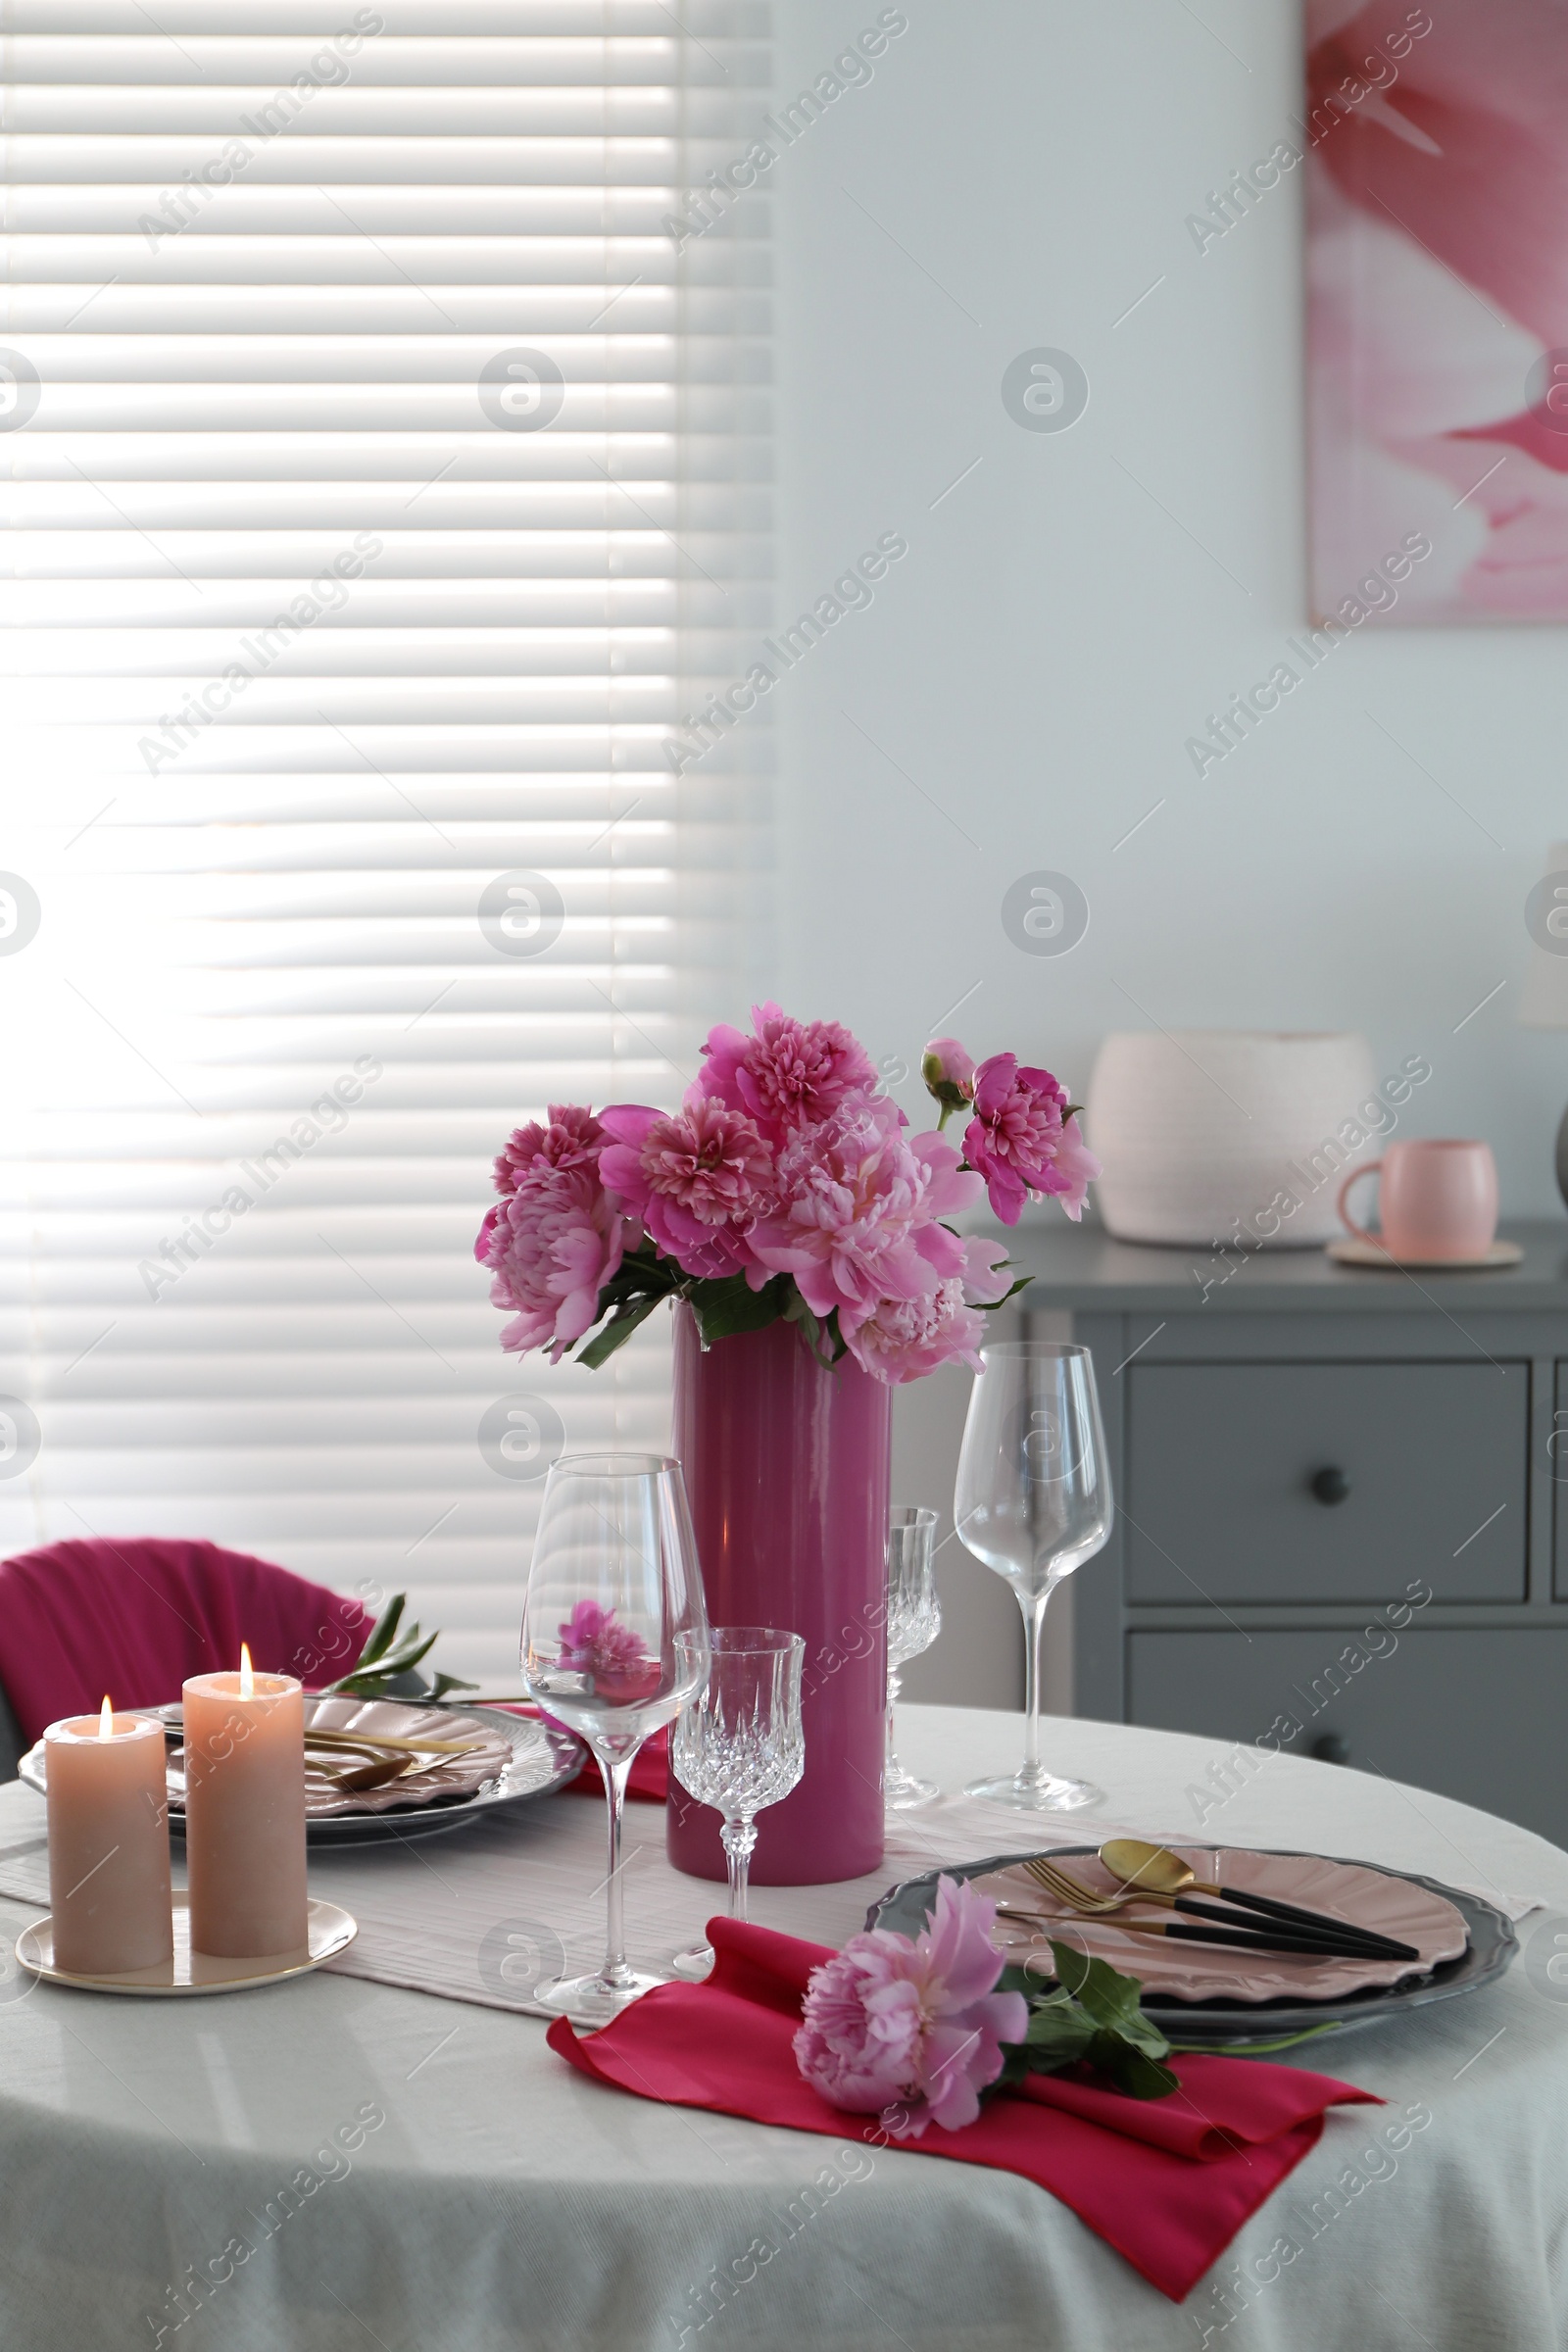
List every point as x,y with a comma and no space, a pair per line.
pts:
448,1682
729,1305
1260,2049
1060,2032
641,1275
617,1332
629,1298
990,1307
1092,2016
1110,1999
1027,1981
1015,2066
406,1654
382,1631
815,1333
1133,2071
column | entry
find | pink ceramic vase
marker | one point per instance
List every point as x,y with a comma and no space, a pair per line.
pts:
787,1467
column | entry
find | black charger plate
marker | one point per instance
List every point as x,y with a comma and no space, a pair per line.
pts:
1489,1950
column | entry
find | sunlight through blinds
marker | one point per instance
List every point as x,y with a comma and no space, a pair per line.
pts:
385,473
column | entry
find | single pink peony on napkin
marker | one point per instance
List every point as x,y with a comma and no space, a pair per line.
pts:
913,2030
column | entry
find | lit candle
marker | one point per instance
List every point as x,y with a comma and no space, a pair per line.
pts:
245,1812
108,1843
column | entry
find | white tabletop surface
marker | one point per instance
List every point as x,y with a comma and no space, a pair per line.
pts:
506,2204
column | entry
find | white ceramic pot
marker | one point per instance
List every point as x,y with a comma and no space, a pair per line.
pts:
1206,1135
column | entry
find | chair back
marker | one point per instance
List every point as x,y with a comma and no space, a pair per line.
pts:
132,1616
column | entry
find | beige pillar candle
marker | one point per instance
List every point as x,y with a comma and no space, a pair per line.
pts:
108,1843
245,1813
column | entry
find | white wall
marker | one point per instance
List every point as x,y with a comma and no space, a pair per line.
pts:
1038,658
1068,614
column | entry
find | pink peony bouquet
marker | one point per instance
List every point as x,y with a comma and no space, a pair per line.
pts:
916,2031
786,1185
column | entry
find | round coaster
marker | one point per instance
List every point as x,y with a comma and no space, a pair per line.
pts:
1351,1253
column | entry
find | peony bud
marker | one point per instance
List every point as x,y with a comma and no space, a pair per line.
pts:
948,1074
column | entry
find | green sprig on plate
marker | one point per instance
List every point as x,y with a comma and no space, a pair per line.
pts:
387,1664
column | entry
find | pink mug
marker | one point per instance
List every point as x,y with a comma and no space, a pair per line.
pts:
1438,1199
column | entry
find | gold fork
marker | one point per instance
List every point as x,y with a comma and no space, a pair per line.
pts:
386,1743
1077,1897
366,1772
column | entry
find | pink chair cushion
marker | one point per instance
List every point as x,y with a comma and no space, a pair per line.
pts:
132,1616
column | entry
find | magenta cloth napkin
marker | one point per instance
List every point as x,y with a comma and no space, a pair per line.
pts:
132,1616
1166,2182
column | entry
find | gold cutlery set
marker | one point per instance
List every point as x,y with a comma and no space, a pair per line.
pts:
362,1760
1154,1875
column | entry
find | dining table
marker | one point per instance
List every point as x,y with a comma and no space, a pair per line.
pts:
386,2153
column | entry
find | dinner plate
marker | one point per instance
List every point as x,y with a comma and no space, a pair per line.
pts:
1170,1968
331,1930
519,1760
1489,1947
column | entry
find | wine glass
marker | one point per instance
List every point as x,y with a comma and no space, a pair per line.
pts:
739,1746
1033,1502
615,1641
915,1620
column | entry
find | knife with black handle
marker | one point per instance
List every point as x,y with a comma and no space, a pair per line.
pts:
1239,1939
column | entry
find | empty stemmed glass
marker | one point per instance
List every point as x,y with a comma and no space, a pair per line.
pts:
915,1620
739,1746
1033,1502
615,1641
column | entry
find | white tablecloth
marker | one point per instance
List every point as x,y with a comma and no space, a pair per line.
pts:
346,2164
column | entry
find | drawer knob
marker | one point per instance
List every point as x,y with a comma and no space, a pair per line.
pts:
1331,1748
1330,1485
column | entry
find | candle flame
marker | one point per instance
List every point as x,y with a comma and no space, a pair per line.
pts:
105,1722
247,1680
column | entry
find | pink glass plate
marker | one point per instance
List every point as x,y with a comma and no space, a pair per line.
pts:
1355,1893
440,1780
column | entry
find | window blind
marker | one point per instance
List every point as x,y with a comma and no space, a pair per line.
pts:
383,443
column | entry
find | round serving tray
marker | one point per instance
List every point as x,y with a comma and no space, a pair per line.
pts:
1491,1948
542,1758
331,1930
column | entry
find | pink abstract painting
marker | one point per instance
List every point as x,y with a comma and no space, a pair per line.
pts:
1437,146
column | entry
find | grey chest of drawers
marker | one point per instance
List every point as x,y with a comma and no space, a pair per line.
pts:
1342,1510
